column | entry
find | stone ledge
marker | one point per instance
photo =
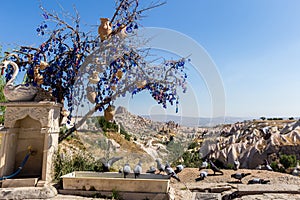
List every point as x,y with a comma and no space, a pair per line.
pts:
206,196
31,103
124,195
28,193
272,188
210,187
25,182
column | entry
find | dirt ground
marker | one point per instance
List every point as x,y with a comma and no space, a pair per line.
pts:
189,175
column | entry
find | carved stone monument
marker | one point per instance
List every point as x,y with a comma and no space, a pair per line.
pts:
33,125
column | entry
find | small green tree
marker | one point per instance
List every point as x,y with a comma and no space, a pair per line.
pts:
2,97
288,160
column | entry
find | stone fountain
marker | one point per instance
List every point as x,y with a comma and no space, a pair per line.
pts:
33,125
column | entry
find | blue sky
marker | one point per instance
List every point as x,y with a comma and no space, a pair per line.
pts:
255,46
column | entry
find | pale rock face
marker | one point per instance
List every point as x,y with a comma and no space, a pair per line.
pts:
232,153
121,110
251,143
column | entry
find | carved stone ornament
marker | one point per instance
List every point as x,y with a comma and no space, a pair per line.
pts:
46,115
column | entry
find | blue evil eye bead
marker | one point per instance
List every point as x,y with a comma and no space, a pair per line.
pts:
128,29
38,29
45,16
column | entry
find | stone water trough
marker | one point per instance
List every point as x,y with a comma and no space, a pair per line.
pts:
114,181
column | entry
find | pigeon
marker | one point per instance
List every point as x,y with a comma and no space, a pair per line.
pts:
108,163
167,164
137,170
160,166
204,165
179,168
126,170
258,181
151,170
267,165
215,168
296,171
236,164
170,172
203,174
239,176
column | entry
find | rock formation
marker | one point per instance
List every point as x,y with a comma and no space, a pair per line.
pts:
253,141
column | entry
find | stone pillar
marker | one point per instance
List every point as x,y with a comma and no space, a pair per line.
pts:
34,124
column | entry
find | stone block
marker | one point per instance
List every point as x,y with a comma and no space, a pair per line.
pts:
206,196
26,182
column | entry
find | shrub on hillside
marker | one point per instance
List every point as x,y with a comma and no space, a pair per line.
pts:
288,160
76,162
111,126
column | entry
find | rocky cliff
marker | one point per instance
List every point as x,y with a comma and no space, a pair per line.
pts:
253,141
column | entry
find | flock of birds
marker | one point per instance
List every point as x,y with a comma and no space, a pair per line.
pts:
173,173
239,176
137,170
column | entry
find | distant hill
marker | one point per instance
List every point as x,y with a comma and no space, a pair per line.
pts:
194,121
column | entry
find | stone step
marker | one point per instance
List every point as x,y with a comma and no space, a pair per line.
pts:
21,182
268,188
46,192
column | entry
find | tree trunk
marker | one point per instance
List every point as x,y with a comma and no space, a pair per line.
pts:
81,122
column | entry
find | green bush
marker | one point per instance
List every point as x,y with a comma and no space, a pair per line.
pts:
2,99
276,168
230,166
288,160
191,159
109,126
77,162
193,145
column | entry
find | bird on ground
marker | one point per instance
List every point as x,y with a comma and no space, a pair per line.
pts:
179,168
151,170
137,170
203,174
215,168
258,181
160,166
267,165
239,176
236,164
171,173
126,170
204,165
108,163
296,171
167,164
